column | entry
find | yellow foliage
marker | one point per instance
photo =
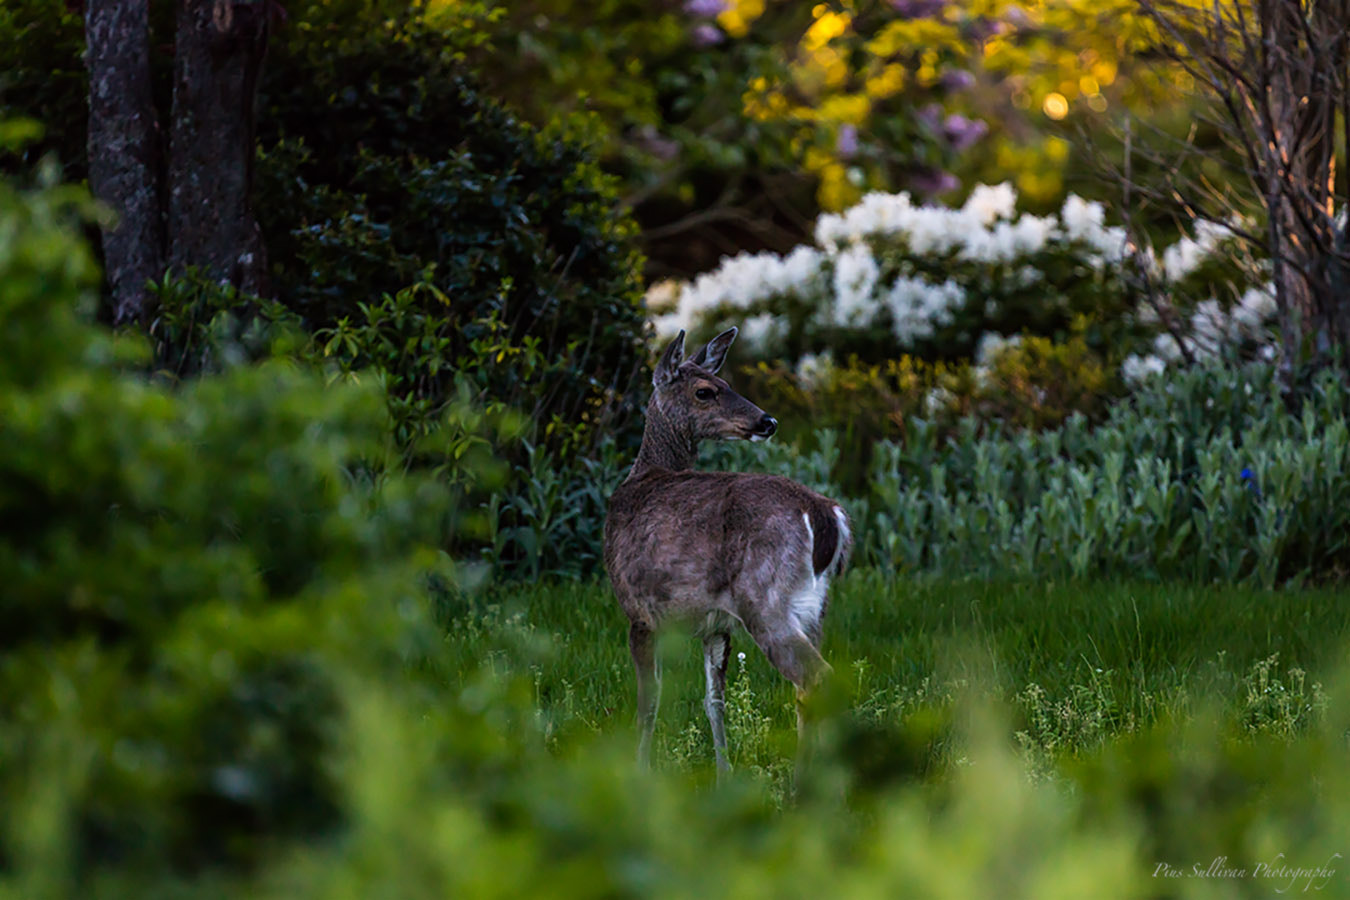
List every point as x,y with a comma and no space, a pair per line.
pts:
1037,383
916,35
845,108
889,81
836,191
737,19
1040,186
825,29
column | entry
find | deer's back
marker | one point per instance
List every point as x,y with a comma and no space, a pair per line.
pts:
679,540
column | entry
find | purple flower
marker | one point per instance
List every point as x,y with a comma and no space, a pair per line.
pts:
981,29
706,9
933,181
1247,475
957,80
930,116
962,132
706,35
846,144
917,9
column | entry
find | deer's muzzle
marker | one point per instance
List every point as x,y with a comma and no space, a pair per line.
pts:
765,429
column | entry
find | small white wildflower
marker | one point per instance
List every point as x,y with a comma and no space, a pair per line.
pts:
938,399
1136,369
992,344
812,368
1186,255
918,307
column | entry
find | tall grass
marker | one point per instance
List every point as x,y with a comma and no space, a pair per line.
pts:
1078,662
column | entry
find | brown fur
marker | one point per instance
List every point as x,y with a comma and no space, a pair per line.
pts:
692,534
717,547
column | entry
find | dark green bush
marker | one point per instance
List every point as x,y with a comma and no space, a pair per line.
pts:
188,577
42,78
200,326
385,168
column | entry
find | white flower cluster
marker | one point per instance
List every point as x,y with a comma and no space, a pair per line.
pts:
739,283
1186,255
918,307
1209,330
842,279
983,230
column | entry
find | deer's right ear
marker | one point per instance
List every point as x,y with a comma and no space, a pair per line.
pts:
668,369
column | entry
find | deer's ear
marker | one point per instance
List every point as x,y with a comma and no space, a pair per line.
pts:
711,357
668,369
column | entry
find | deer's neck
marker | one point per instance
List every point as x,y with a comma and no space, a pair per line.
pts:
663,447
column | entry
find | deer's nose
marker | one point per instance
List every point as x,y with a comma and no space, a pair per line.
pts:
768,425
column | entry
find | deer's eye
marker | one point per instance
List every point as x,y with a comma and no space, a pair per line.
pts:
705,393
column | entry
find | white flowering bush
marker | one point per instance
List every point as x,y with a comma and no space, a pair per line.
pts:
889,277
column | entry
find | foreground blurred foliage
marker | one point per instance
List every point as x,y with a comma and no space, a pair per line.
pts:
188,577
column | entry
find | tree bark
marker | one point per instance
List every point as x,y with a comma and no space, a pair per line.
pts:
218,56
124,149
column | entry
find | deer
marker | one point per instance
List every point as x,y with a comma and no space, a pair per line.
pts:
718,549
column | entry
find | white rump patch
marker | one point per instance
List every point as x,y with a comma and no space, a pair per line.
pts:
805,604
844,536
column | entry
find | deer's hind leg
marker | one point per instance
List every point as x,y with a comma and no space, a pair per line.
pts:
716,650
648,669
778,628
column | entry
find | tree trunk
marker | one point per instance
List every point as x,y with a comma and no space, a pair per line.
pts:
124,149
1305,47
218,56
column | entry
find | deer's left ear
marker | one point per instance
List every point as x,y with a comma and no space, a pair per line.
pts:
711,357
668,368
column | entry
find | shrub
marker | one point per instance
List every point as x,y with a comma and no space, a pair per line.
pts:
43,79
382,167
203,326
888,277
1036,384
412,219
1016,384
1202,475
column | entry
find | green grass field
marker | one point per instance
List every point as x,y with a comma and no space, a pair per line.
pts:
1074,663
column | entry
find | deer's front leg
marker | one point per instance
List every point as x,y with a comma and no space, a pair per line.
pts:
716,650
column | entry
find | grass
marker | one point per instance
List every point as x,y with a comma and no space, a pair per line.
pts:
1077,663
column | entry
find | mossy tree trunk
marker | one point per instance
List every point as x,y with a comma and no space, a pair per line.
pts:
190,208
